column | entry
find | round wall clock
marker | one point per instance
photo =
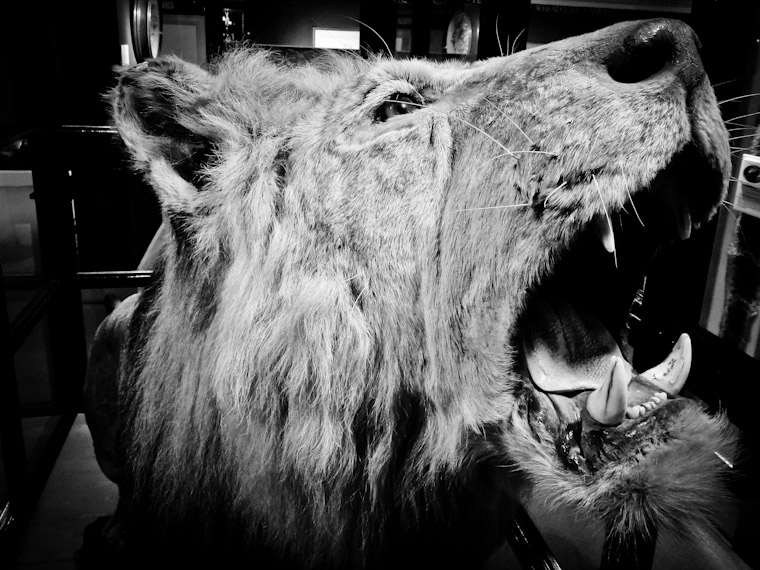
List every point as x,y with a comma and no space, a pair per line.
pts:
146,28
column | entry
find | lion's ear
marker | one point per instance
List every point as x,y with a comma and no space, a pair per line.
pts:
157,107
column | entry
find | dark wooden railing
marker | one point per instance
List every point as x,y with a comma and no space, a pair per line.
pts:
52,299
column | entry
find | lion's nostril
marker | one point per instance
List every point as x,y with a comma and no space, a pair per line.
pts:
653,47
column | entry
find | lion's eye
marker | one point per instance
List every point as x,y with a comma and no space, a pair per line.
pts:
398,104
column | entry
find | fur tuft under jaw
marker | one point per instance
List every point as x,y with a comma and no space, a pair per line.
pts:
679,485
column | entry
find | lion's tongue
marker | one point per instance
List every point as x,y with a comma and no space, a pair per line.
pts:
567,349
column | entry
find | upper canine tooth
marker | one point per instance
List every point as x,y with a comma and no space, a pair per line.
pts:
678,209
670,375
608,402
606,235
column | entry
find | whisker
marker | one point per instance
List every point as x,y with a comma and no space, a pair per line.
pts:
514,43
481,131
742,128
352,278
494,207
360,294
732,119
507,152
739,124
723,83
549,195
512,153
635,211
496,29
737,221
374,31
724,460
742,137
739,97
506,116
606,213
730,210
527,110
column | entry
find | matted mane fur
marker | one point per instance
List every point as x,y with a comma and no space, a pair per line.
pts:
328,369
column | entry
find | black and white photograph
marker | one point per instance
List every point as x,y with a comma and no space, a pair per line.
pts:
379,284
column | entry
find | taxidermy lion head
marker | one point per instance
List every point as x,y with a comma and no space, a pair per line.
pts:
395,297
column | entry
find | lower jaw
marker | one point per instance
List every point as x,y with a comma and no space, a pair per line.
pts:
667,471
589,447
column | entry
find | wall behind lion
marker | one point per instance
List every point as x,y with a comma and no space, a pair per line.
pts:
56,60
291,22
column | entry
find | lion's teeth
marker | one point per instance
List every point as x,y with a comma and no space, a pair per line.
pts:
635,412
606,235
670,375
677,206
607,404
681,215
684,227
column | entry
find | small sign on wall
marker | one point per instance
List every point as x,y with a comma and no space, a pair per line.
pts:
331,38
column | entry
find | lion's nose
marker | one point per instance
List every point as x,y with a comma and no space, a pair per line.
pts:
654,47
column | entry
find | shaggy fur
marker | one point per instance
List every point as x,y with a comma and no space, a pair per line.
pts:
327,370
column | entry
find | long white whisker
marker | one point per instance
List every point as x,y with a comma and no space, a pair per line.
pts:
635,211
739,124
734,216
374,31
551,192
739,97
481,131
494,207
742,137
496,29
512,153
732,119
514,43
506,116
360,294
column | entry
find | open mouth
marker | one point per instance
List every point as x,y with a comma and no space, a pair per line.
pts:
575,333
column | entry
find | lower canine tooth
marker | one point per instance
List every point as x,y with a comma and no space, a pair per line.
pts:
670,375
607,404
